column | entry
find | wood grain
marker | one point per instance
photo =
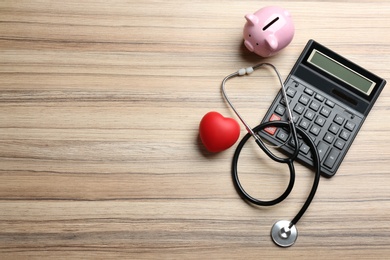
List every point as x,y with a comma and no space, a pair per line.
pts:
100,157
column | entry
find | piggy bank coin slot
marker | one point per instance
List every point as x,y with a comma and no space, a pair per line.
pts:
270,23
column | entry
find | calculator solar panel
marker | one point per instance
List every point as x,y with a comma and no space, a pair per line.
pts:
330,97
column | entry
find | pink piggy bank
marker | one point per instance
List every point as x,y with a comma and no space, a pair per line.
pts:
268,30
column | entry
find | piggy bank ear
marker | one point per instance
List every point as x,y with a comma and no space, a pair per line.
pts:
272,42
249,46
251,19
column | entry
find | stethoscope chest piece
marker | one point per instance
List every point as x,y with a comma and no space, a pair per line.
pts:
282,234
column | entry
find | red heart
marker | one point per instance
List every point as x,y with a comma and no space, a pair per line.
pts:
218,133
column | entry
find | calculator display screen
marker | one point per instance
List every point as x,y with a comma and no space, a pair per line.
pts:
341,72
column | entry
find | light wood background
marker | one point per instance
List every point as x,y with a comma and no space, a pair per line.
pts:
100,103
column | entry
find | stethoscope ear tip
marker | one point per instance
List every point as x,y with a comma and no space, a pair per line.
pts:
283,233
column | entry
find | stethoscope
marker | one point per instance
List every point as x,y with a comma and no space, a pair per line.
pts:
284,232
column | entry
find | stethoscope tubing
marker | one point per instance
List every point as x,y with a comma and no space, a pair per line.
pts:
287,160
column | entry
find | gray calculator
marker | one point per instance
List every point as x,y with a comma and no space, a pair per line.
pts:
330,97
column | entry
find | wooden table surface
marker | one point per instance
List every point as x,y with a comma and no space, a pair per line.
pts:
100,103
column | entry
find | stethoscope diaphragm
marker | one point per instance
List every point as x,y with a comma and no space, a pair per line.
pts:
283,233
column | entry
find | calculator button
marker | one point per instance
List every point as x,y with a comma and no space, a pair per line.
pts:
304,148
320,121
292,142
315,105
291,92
272,129
315,130
325,111
304,100
328,138
284,102
322,148
345,135
304,124
309,114
349,125
332,157
339,144
338,119
329,103
333,128
295,118
309,91
282,135
274,118
319,97
280,110
299,108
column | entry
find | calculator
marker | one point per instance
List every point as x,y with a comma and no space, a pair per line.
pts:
329,97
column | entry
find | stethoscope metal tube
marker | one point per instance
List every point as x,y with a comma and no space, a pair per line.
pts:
283,233
248,71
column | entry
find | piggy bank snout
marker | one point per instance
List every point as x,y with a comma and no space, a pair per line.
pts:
249,45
